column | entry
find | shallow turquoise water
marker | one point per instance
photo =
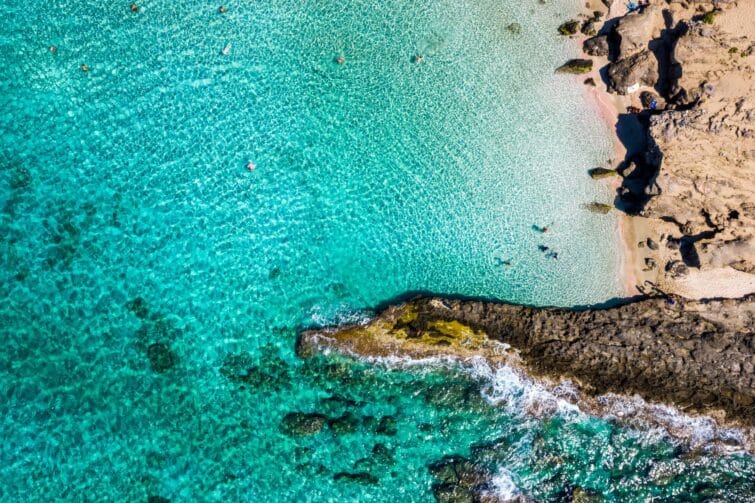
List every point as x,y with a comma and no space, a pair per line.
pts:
373,178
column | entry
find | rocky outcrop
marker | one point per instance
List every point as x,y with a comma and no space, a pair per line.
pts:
698,355
575,66
636,29
628,74
596,46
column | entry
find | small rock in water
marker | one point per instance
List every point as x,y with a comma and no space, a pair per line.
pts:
138,306
596,207
347,423
575,66
569,27
299,424
597,173
161,357
387,426
514,28
359,477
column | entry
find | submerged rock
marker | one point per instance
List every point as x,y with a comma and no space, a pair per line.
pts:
514,28
299,424
161,357
596,207
347,423
358,477
20,179
575,66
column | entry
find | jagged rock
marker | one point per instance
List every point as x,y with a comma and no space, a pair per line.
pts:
597,173
638,69
635,30
601,348
575,66
677,269
650,264
596,46
589,27
298,424
590,82
569,28
692,55
652,244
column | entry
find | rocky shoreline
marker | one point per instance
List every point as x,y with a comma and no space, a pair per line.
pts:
696,355
682,77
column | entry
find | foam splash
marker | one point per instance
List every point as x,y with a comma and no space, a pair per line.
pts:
504,487
521,395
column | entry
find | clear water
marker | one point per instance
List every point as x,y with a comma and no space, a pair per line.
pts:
373,178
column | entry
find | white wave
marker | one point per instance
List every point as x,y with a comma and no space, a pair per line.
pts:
504,487
521,395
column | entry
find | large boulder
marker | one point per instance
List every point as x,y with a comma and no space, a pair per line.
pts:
626,75
636,29
596,46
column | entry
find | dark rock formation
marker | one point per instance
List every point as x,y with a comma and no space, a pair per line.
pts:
569,28
358,477
298,424
575,66
161,357
596,46
639,69
597,173
698,355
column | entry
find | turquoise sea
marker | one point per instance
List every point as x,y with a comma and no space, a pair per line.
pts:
153,286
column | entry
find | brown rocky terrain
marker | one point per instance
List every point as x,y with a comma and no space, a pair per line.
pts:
697,355
691,189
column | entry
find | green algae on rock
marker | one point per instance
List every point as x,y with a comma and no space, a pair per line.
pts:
576,66
598,173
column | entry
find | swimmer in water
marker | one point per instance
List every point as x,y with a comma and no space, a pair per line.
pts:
134,7
419,58
53,49
84,68
222,9
226,50
250,165
340,60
